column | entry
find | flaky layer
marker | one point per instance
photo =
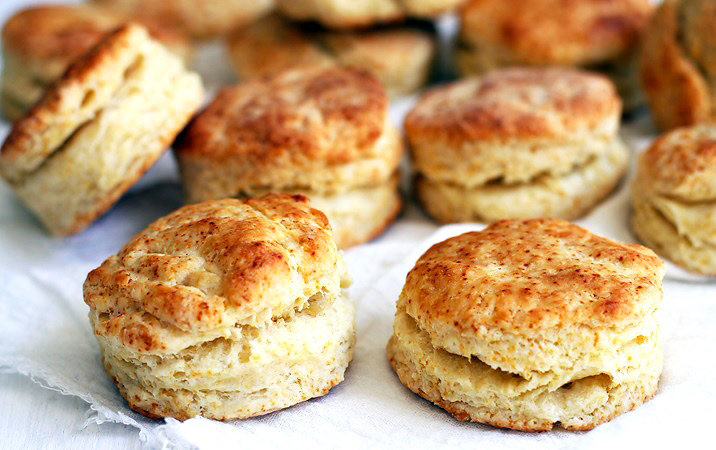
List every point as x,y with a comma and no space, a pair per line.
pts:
596,389
566,196
680,231
251,371
361,214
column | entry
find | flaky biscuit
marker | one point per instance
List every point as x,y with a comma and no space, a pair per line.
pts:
361,13
321,131
673,195
400,56
40,43
529,324
200,18
226,309
593,34
94,134
523,133
678,63
568,196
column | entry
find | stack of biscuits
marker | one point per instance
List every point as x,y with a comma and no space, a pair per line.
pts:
235,305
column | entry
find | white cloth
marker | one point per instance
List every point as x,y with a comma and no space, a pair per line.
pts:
45,335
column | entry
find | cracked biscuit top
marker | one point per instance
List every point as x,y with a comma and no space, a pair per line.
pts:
531,277
205,269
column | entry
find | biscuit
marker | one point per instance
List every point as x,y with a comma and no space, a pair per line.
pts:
517,143
323,132
101,126
531,324
400,57
200,18
678,63
34,60
674,197
595,35
226,309
362,13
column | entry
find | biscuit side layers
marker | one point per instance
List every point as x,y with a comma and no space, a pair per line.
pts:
611,384
568,196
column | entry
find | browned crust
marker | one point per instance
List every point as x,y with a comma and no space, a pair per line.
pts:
503,105
265,120
676,91
556,31
514,423
682,163
525,276
65,32
244,258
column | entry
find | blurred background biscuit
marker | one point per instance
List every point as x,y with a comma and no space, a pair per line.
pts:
40,43
400,57
362,13
517,143
227,309
200,18
530,325
678,63
98,129
599,35
674,195
321,131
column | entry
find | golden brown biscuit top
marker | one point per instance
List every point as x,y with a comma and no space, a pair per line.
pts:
573,32
66,32
334,115
215,264
514,103
530,276
682,163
